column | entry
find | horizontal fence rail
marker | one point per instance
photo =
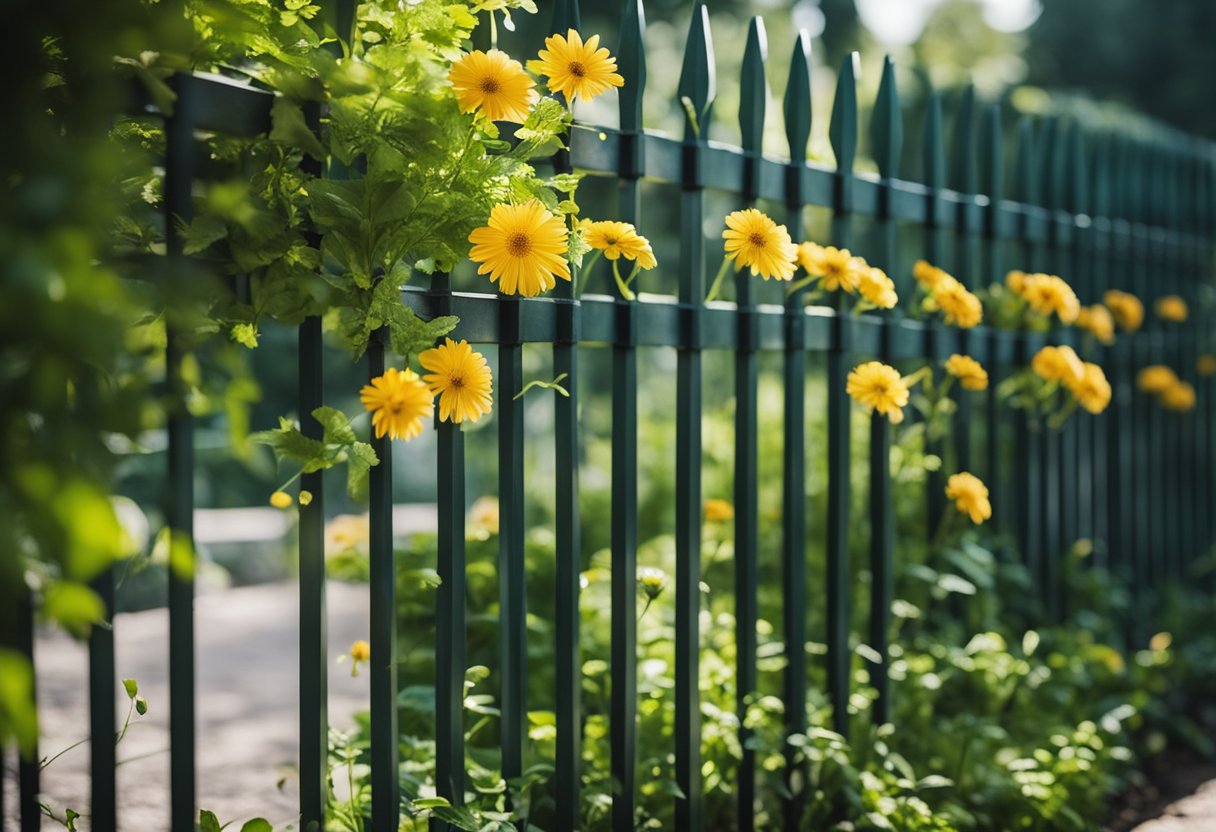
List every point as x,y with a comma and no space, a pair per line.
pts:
1104,209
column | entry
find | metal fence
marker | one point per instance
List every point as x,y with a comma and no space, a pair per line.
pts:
1105,210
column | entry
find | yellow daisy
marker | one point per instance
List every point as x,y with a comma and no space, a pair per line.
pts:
719,511
1205,365
1179,396
878,288
360,651
398,402
1171,308
1098,321
619,239
493,83
970,496
577,69
1092,391
1126,307
969,372
959,306
1060,364
524,246
1156,378
461,378
927,274
879,387
837,268
1048,294
755,241
1016,281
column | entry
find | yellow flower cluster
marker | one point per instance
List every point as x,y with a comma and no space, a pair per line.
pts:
970,496
879,387
1171,308
1171,391
1086,381
400,401
617,240
1126,308
947,294
1046,294
969,372
1098,321
838,269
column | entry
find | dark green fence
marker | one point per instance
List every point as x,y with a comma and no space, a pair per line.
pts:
1103,209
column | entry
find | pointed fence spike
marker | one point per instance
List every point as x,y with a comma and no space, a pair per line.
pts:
842,130
565,17
753,87
886,123
698,81
963,174
992,156
631,62
796,106
934,152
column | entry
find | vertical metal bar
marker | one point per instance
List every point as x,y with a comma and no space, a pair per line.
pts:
697,85
1026,470
102,763
797,112
383,621
843,135
512,598
28,766
934,177
992,183
886,136
623,707
964,176
179,176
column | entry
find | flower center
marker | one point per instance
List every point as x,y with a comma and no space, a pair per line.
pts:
490,85
457,381
757,239
519,245
577,69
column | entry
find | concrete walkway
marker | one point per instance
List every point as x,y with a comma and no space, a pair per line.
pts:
1194,813
248,705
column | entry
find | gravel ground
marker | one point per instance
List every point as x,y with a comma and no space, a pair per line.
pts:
248,705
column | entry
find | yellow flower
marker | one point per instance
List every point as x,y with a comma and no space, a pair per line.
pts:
1060,364
360,651
495,84
305,497
970,373
1161,641
280,499
927,274
651,581
619,239
1171,308
461,378
755,241
1179,396
970,496
1093,390
718,511
1156,378
1127,309
1047,294
346,531
1016,281
1206,364
576,69
484,515
524,246
879,387
836,267
1098,321
960,307
398,402
877,288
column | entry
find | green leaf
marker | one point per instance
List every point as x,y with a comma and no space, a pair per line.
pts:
289,443
245,335
131,687
208,822
336,426
360,458
257,825
554,385
289,128
141,705
74,606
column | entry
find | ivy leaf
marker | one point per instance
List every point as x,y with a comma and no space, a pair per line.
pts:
288,443
360,458
257,824
208,822
245,334
288,127
336,425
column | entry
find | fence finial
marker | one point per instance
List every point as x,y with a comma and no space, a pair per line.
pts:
887,124
796,105
698,81
631,61
934,154
842,131
753,87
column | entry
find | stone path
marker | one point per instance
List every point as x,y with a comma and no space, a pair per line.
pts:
1194,813
248,705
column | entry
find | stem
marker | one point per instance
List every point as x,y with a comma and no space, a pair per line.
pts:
493,32
593,258
50,760
717,284
622,285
